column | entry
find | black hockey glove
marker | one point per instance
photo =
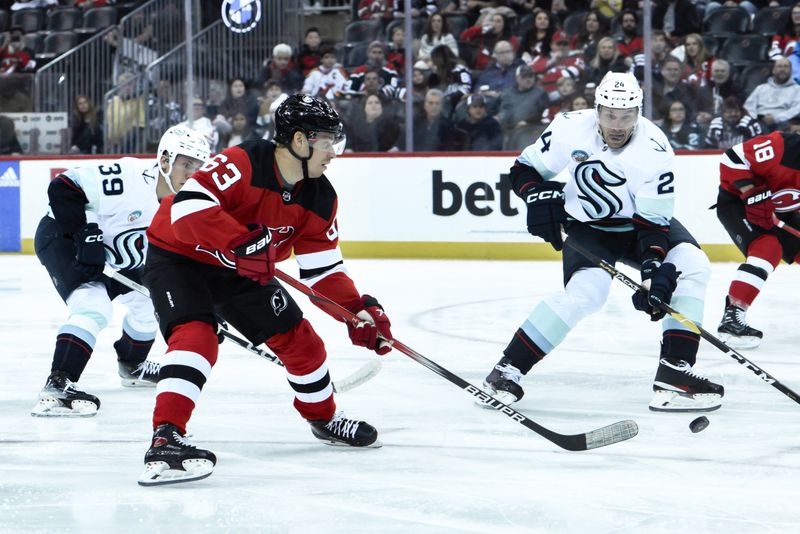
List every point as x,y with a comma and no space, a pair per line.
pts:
546,211
663,281
90,255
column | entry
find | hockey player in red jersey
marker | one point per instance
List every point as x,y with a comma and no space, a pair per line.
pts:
213,249
759,179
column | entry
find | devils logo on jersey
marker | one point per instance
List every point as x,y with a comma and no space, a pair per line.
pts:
594,181
786,200
128,249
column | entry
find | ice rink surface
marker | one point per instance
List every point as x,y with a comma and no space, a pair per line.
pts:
446,466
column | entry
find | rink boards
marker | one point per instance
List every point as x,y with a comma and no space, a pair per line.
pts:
416,206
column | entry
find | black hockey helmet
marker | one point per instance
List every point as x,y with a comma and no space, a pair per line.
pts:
307,114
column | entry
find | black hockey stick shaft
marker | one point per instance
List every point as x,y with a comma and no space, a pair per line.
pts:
619,431
361,375
688,323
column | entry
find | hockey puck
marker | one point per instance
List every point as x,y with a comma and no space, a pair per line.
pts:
699,424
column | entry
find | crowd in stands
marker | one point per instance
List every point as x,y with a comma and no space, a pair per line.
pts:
492,74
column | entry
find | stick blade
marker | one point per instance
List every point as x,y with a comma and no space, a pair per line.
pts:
365,373
614,433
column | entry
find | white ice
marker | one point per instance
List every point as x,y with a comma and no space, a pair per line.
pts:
446,466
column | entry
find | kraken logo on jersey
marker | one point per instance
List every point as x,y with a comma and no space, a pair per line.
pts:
594,181
128,249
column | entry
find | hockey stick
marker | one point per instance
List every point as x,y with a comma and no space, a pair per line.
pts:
783,226
688,323
619,431
363,374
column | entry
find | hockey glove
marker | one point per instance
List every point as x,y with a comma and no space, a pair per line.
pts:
254,255
663,281
374,323
90,254
758,206
546,211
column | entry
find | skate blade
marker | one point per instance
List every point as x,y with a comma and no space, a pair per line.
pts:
333,443
502,396
740,342
136,383
52,407
671,401
159,473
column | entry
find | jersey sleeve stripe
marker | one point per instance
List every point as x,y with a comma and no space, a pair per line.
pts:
735,159
324,273
193,186
317,260
188,207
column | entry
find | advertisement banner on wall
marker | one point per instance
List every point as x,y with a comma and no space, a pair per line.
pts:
9,207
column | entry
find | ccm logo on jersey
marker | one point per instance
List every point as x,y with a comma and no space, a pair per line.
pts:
786,200
93,238
755,199
544,195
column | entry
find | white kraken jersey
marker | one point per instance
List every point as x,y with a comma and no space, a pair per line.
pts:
605,183
122,201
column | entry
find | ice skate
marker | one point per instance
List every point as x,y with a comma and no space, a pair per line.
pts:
679,389
144,374
502,384
343,431
60,398
172,459
734,330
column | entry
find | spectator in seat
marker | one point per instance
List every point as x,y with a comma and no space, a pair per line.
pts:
396,50
630,42
696,61
785,43
371,129
561,99
676,18
493,29
273,97
388,78
500,73
483,132
86,127
432,131
595,27
310,54
720,87
606,59
561,62
777,100
683,134
536,39
374,9
671,88
238,100
660,48
14,57
748,6
732,126
522,104
437,32
451,76
241,131
9,144
328,79
202,124
125,115
281,69
579,102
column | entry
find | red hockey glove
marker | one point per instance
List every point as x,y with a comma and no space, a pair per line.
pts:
758,206
255,256
374,322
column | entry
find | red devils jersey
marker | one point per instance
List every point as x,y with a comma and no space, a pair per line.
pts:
242,186
773,160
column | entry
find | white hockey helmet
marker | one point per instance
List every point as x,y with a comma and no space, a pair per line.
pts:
181,140
619,90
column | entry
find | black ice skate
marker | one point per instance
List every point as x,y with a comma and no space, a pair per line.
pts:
144,374
679,389
503,383
172,459
734,330
60,398
343,431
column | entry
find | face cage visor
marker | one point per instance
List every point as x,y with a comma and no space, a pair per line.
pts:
326,144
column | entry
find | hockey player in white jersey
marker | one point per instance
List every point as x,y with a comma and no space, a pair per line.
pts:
605,177
98,214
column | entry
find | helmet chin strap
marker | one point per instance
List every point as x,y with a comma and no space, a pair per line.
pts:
166,176
303,161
